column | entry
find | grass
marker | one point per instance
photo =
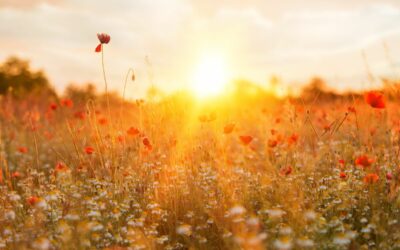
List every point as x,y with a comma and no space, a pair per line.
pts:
192,185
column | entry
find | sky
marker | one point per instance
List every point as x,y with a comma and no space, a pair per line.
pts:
292,39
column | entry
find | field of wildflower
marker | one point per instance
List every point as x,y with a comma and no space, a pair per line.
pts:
230,173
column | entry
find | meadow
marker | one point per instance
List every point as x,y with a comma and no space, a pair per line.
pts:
239,171
177,174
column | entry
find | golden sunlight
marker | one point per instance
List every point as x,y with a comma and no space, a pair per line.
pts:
210,76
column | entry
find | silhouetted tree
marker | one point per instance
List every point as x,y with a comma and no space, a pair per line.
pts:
18,79
317,90
80,94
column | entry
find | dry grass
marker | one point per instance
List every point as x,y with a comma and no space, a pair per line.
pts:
194,186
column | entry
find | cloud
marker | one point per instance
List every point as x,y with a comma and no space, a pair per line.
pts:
25,4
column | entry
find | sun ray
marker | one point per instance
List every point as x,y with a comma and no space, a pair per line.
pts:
211,76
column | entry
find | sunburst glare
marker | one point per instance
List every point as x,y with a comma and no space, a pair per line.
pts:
210,76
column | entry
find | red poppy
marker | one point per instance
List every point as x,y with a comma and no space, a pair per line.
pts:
80,115
272,143
60,167
351,109
341,162
53,106
133,131
48,135
103,121
371,178
23,150
293,139
32,200
326,127
285,171
120,138
89,150
245,139
147,144
364,161
67,103
104,39
229,128
375,99
342,175
16,174
389,176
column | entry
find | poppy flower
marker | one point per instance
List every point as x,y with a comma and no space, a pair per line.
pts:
60,167
67,103
104,39
120,138
147,144
89,150
48,135
245,139
133,131
327,128
33,200
375,99
342,175
293,139
53,106
285,171
272,143
23,150
103,121
371,178
80,115
229,128
364,161
351,109
389,176
341,162
16,174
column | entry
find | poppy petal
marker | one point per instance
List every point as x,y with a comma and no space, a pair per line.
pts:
98,48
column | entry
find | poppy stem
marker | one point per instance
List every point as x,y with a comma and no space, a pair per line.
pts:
105,81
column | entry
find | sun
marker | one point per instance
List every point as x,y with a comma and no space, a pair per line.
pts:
210,76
